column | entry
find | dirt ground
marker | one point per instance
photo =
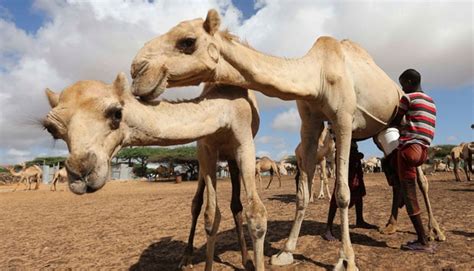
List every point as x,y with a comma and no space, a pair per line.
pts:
139,225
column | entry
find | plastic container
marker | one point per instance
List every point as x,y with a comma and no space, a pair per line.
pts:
388,139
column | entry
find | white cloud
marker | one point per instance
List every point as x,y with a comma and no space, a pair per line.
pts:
288,121
16,152
97,39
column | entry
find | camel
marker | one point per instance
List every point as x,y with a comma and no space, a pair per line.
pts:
59,176
335,81
463,151
28,175
224,120
265,164
326,148
163,171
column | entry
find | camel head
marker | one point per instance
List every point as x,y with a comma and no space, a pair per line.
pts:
88,117
186,55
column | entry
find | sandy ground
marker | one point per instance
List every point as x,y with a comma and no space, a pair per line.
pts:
143,226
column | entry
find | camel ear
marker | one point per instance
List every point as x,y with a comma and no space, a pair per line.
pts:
53,97
121,84
212,22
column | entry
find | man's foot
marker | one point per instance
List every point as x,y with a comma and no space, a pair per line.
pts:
418,247
328,236
365,225
389,229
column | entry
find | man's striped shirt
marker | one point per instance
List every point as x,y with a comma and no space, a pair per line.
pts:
420,119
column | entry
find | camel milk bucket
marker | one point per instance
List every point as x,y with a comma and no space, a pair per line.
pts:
388,139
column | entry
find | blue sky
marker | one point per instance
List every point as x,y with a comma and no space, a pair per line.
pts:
44,45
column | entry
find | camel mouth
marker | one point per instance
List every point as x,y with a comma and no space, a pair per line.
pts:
155,91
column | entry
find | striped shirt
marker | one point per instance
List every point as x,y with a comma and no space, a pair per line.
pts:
420,119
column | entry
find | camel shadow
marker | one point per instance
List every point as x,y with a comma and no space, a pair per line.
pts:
464,233
462,190
166,253
285,198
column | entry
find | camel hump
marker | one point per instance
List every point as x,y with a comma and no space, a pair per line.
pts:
326,45
355,48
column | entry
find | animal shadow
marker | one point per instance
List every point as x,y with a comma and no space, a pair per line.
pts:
166,253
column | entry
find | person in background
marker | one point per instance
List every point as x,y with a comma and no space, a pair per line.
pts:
357,190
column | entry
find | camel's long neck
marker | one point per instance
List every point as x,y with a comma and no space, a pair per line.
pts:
273,76
170,124
14,173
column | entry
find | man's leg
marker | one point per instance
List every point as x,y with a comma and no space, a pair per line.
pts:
360,223
409,157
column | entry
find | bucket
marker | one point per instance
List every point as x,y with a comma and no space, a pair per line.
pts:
178,179
388,139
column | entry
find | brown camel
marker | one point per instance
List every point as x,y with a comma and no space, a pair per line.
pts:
265,164
223,119
336,81
59,176
28,175
463,152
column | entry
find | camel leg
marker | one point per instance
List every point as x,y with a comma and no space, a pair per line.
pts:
259,180
310,132
236,207
467,171
195,211
456,168
212,214
256,214
342,194
18,184
311,193
270,182
38,181
53,184
434,231
324,181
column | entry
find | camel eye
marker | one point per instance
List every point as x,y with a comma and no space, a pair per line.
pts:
115,115
186,45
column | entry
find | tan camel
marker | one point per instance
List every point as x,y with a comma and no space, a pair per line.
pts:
223,119
336,81
265,164
326,149
59,176
463,152
28,175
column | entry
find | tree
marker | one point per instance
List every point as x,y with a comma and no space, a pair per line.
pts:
47,160
185,156
138,156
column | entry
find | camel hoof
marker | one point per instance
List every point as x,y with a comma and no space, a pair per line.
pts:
186,262
321,197
389,229
344,265
282,258
437,235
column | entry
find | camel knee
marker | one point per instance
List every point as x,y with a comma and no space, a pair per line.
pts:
343,197
212,218
257,220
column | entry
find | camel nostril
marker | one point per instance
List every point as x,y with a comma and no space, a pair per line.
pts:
139,68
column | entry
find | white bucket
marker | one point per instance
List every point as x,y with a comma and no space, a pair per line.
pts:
388,138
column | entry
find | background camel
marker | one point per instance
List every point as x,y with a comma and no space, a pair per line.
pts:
59,176
464,152
28,175
163,171
265,164
223,119
324,83
326,150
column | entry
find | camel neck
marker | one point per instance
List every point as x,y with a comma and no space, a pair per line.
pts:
165,123
287,79
13,172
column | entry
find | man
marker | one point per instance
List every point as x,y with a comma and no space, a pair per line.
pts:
416,134
357,190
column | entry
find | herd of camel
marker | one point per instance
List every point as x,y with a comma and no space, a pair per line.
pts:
336,81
